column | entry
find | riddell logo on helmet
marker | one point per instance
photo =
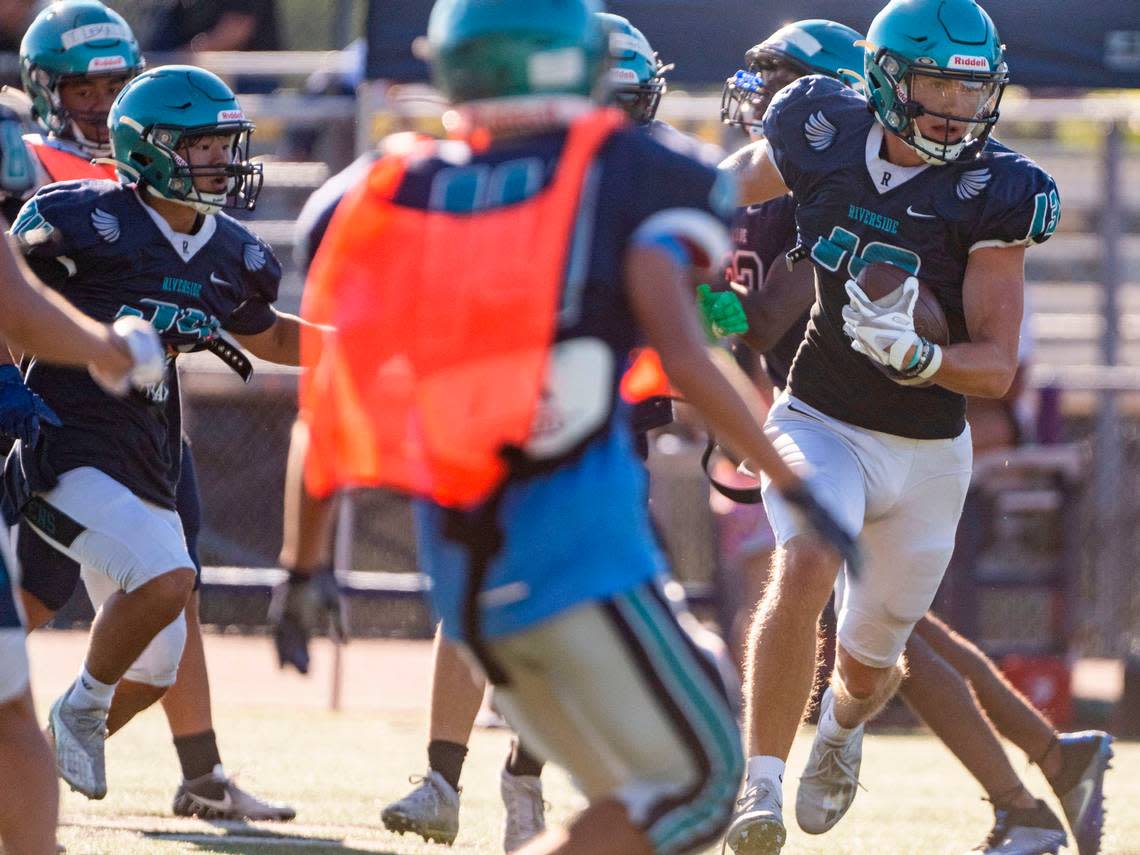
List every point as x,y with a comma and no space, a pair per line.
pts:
231,116
969,63
106,63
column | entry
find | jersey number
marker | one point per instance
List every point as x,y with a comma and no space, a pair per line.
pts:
1046,215
466,189
747,269
841,245
167,316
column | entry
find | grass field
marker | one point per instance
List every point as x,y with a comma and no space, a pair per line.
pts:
338,769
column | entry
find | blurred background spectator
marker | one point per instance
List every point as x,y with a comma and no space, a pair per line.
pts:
15,15
213,25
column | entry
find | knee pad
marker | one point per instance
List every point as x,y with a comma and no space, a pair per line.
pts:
158,664
13,665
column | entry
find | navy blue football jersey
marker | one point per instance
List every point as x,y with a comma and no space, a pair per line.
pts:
110,255
854,208
761,235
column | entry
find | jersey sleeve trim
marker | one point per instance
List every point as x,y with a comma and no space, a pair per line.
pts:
698,228
772,160
999,244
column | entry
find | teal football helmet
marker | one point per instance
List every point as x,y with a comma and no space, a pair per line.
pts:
70,40
636,76
813,46
513,48
163,110
939,58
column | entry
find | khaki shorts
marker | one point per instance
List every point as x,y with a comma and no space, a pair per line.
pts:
615,692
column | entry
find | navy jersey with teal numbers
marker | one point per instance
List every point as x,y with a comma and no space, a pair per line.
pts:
576,526
854,208
761,235
105,251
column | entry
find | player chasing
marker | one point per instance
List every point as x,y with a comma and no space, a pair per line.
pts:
951,684
873,415
636,83
536,535
101,487
71,83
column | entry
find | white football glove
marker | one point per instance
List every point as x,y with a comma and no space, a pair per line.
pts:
885,333
148,357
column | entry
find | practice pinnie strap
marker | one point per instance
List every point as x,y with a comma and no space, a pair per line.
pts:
740,495
228,350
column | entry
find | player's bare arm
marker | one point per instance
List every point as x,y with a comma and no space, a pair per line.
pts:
657,293
39,321
776,304
992,296
757,177
280,343
307,524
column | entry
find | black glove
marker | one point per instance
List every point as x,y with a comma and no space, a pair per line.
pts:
301,606
826,526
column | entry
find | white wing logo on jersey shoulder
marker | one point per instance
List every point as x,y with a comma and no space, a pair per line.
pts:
107,225
819,131
254,257
971,183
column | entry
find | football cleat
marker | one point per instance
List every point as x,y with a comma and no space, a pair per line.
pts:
1024,831
525,809
757,828
214,796
79,737
431,810
1080,785
830,779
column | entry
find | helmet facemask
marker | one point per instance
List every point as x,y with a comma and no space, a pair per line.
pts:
966,101
641,100
179,182
747,94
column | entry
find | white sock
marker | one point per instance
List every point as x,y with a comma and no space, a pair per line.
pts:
830,730
87,693
767,767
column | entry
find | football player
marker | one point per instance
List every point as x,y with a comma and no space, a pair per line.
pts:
72,82
939,661
101,487
636,81
873,414
116,357
541,555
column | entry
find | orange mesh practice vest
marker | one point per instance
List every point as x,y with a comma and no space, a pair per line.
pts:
64,166
443,328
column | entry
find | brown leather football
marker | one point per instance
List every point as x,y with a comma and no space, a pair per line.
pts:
880,281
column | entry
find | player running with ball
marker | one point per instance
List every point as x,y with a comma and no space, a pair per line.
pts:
874,416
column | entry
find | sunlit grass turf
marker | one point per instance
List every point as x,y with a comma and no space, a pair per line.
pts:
339,769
